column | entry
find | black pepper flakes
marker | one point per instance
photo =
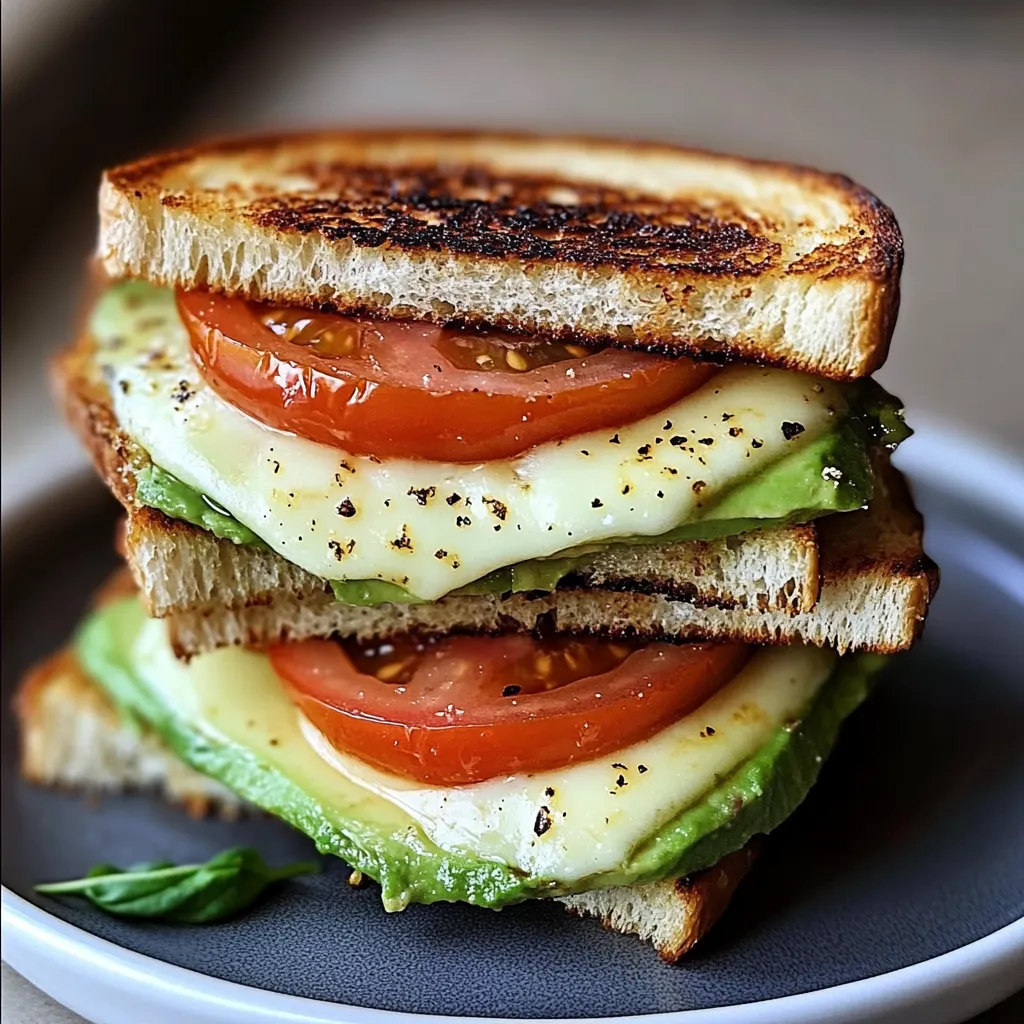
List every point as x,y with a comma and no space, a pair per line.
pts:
735,431
726,416
346,509
453,498
661,494
549,792
440,553
755,443
182,392
625,490
698,486
597,503
421,494
463,521
668,425
641,768
790,430
706,440
497,508
621,781
677,440
403,542
542,822
620,766
340,550
614,439
644,449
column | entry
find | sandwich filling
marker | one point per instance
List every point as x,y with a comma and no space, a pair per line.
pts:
732,758
238,444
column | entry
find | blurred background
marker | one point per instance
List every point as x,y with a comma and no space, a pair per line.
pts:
920,102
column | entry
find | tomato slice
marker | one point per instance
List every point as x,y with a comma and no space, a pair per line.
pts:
465,709
415,390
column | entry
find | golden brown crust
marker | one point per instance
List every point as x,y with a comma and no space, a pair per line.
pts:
898,553
686,908
390,189
707,894
57,691
27,700
471,211
86,405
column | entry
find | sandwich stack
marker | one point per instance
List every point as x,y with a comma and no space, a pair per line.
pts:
513,515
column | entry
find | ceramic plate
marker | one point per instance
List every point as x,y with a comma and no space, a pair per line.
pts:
895,893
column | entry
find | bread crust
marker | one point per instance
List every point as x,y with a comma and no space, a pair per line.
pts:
698,246
72,737
674,914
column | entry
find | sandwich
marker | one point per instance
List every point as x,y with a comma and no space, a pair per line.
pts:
512,515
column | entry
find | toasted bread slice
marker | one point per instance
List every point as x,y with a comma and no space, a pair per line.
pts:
72,736
645,246
876,586
182,568
672,914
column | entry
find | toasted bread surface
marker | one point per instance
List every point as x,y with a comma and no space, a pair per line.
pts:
672,914
179,567
73,737
603,242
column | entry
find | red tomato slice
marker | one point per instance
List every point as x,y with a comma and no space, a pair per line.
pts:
415,390
465,709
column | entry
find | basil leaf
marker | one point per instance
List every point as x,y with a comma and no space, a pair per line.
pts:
224,886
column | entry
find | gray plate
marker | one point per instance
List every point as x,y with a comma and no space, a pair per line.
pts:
909,847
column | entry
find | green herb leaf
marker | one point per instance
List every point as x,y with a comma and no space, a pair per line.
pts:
189,893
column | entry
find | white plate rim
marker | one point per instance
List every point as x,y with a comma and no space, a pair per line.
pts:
949,987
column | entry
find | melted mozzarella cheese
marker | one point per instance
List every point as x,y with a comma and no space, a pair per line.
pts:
433,527
590,817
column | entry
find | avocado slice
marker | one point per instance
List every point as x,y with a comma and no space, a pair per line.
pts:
288,780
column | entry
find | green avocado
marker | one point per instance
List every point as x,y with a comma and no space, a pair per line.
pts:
378,839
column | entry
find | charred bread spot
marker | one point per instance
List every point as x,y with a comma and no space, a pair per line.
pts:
472,210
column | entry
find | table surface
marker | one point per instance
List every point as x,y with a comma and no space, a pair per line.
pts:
918,110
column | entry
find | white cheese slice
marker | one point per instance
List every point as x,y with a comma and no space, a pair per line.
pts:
433,527
595,813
